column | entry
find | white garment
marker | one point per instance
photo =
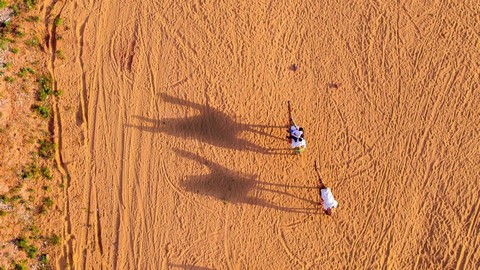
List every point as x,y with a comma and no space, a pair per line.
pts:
328,200
295,132
299,143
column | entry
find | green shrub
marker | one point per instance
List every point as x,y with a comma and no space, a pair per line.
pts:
21,243
19,33
7,66
46,188
3,4
55,240
4,199
16,198
45,87
47,149
2,213
15,10
33,41
24,71
60,55
57,93
33,19
30,171
44,258
34,230
58,21
43,110
4,43
9,79
15,50
30,3
31,252
46,173
19,266
48,202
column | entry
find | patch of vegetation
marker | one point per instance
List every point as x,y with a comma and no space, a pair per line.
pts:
44,258
9,79
30,171
43,110
15,198
46,173
48,202
31,251
58,21
57,93
47,149
7,66
2,213
21,243
33,42
46,188
15,10
55,240
34,230
24,71
32,19
60,55
15,50
4,199
30,3
19,266
19,32
4,43
45,87
3,4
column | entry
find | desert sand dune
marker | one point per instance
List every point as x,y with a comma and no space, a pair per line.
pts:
175,114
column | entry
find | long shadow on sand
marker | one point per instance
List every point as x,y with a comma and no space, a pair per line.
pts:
235,187
210,126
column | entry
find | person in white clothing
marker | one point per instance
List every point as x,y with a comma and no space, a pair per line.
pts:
297,139
326,196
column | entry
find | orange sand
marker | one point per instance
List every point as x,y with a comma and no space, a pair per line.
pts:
172,109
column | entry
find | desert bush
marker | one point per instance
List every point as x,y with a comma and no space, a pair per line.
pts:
47,149
15,10
46,173
24,71
7,66
30,3
4,43
43,110
21,243
60,55
19,266
4,199
33,42
30,171
31,251
48,202
44,258
58,21
19,32
57,93
9,79
55,240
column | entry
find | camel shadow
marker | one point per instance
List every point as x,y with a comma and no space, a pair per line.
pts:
210,126
234,187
